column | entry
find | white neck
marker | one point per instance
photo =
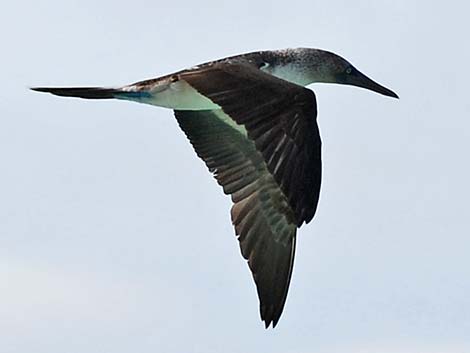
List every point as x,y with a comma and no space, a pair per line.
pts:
291,72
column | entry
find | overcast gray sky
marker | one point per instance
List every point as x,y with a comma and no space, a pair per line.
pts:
115,238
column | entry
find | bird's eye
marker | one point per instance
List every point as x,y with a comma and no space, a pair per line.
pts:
349,70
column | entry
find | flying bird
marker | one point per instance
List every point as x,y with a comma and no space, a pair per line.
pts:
251,120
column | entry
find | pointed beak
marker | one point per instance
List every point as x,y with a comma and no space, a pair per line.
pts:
357,78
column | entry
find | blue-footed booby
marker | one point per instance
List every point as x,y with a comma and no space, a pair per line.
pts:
251,120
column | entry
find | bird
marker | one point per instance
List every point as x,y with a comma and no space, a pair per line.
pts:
253,122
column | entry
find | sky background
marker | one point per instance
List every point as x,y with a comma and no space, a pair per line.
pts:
115,238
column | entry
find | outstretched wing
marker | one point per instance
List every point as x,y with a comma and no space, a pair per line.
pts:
261,215
263,147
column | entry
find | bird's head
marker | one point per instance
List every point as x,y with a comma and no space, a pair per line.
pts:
331,68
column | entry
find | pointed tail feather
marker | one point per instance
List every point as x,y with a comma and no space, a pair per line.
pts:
81,92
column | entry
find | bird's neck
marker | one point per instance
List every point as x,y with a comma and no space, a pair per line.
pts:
291,72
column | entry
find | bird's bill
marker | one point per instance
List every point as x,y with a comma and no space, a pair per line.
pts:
358,79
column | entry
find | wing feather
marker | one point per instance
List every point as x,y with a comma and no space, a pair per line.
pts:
280,117
264,149
261,215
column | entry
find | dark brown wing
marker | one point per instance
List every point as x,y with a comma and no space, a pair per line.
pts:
261,214
263,146
280,117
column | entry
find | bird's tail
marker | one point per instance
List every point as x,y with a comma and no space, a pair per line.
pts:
81,92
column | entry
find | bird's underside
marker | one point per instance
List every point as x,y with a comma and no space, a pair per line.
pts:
258,135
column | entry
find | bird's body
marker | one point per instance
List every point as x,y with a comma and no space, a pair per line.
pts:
178,94
253,123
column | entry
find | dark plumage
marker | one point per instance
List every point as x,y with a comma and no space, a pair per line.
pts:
252,122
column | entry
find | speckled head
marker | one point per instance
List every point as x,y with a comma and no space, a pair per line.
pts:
328,67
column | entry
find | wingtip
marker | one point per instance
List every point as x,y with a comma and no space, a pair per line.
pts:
275,321
270,317
270,323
